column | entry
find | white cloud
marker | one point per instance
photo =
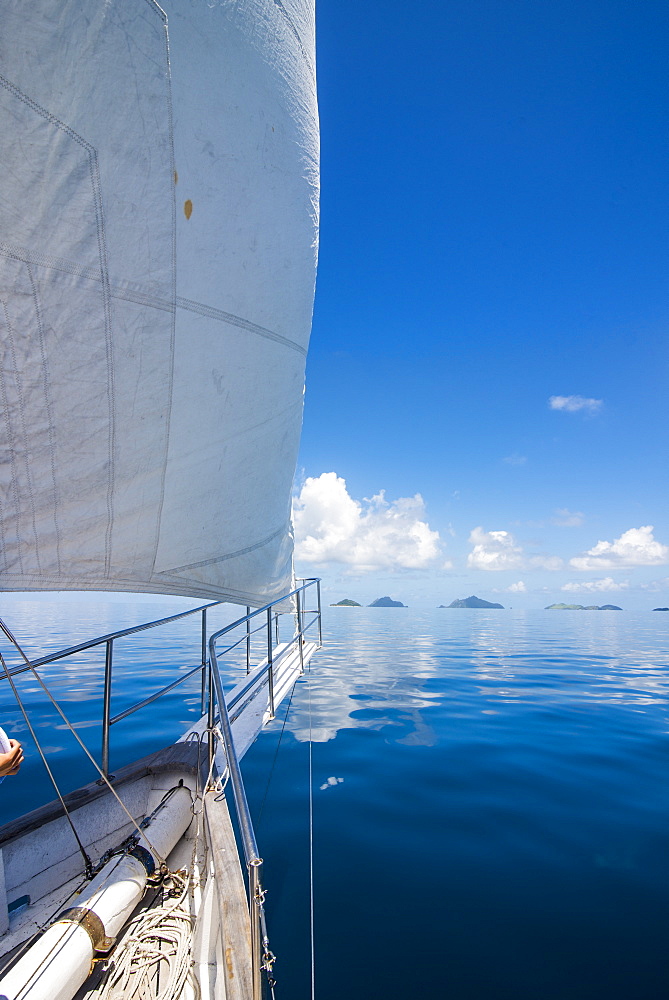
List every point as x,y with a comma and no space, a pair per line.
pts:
497,550
565,518
635,547
494,550
571,404
517,588
656,586
607,585
515,459
330,526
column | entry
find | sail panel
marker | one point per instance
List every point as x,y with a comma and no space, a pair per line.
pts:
158,220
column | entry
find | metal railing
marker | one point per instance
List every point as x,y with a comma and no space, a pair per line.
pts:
212,696
108,641
261,956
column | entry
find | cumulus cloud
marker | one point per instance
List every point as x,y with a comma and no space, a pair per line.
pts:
497,550
565,518
635,547
517,588
571,404
376,534
494,550
607,585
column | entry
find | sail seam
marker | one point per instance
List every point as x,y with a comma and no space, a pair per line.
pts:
49,412
106,299
244,324
94,171
230,555
10,437
170,387
155,585
146,298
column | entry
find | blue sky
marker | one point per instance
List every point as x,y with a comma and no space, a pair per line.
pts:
494,236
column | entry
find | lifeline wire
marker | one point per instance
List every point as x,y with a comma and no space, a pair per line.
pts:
311,845
76,736
88,864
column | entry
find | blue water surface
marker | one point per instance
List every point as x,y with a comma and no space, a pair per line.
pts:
490,802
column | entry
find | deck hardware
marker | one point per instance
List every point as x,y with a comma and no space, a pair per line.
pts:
145,858
93,926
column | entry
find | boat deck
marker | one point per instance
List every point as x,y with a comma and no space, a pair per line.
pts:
41,864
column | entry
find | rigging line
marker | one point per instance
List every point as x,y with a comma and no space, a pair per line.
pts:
81,743
41,927
311,845
53,950
88,864
276,753
61,904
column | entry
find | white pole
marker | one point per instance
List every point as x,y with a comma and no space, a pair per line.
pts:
60,960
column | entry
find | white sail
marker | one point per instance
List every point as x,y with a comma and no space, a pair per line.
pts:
158,220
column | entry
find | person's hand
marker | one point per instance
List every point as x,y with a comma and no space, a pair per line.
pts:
11,761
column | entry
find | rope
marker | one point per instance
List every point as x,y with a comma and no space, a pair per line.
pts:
276,754
156,951
83,746
119,853
311,847
158,943
88,864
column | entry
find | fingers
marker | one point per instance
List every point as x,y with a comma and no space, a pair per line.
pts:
11,761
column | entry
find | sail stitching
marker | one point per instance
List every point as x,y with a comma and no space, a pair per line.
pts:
10,437
94,171
146,298
170,387
229,555
158,9
49,412
244,324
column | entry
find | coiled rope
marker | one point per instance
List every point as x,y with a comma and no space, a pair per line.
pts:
154,961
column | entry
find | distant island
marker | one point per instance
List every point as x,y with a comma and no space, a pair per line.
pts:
472,602
581,607
386,602
346,603
660,609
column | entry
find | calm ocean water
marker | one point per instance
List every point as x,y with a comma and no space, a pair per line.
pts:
490,801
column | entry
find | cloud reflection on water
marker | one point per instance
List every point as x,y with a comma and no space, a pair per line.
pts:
479,662
418,676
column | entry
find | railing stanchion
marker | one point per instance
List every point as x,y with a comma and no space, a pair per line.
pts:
248,640
210,714
254,898
300,638
270,663
106,706
320,621
203,686
253,861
